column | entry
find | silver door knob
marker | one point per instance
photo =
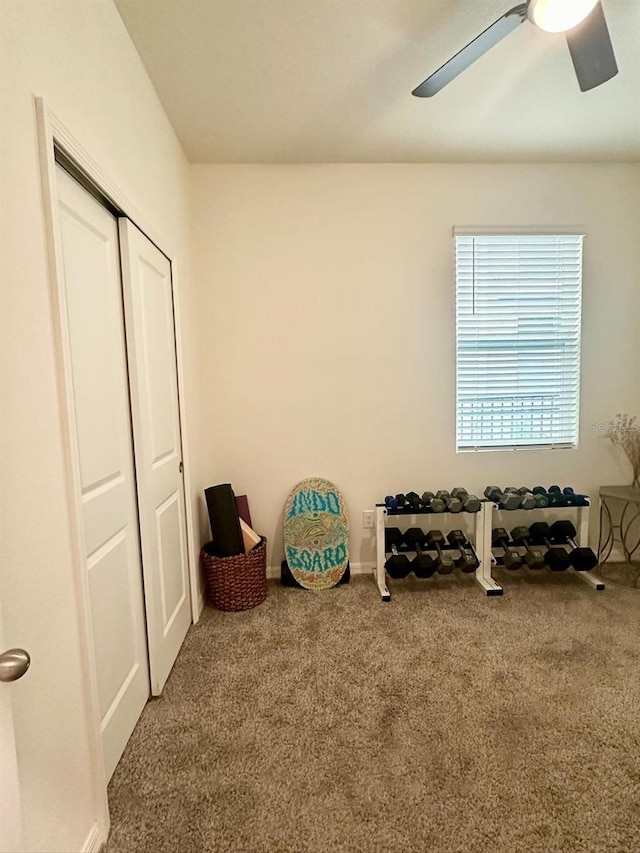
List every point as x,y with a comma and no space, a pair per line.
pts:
13,664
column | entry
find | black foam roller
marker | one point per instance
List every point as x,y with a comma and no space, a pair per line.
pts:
226,533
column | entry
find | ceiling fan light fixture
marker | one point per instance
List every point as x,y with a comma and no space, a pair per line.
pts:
557,16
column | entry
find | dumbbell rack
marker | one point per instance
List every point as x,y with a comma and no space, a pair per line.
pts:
482,574
496,517
490,516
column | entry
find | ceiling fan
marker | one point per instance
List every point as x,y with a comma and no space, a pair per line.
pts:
582,21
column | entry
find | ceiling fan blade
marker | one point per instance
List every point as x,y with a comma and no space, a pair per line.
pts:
591,50
474,50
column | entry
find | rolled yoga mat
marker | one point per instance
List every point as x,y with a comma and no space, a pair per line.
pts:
242,503
226,533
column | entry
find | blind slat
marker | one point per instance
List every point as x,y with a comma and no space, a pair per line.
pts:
518,310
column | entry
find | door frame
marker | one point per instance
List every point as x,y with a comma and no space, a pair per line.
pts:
52,134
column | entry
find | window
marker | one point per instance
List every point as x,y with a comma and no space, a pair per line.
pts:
518,303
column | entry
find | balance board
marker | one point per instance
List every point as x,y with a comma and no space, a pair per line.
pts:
316,534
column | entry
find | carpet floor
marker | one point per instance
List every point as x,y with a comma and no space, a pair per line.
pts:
443,721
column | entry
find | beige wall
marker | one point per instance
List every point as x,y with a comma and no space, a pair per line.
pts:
318,339
327,324
78,56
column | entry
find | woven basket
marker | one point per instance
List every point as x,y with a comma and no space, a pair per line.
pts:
239,582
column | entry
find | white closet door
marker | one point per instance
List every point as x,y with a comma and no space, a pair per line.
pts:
151,349
95,334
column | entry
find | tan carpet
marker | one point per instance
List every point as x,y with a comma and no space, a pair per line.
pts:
627,574
443,721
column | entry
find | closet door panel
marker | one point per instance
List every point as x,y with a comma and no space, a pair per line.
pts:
102,422
151,349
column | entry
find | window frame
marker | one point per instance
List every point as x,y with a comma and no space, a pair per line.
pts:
499,231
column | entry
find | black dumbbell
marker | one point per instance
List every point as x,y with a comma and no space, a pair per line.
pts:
393,536
451,504
422,564
468,560
533,557
413,502
511,558
390,502
401,499
564,533
430,501
505,500
574,499
556,497
557,558
398,565
470,503
444,561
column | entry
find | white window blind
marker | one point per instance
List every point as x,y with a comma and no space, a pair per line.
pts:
518,306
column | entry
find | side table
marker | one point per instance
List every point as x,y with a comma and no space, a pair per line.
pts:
626,529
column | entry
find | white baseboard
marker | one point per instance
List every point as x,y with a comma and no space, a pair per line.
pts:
273,572
94,841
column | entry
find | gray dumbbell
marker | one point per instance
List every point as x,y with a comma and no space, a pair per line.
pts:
470,503
451,503
505,500
541,498
527,500
432,502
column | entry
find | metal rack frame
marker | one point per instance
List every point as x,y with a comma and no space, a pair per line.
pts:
484,523
582,530
482,574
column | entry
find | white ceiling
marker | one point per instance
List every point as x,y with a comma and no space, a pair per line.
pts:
321,81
